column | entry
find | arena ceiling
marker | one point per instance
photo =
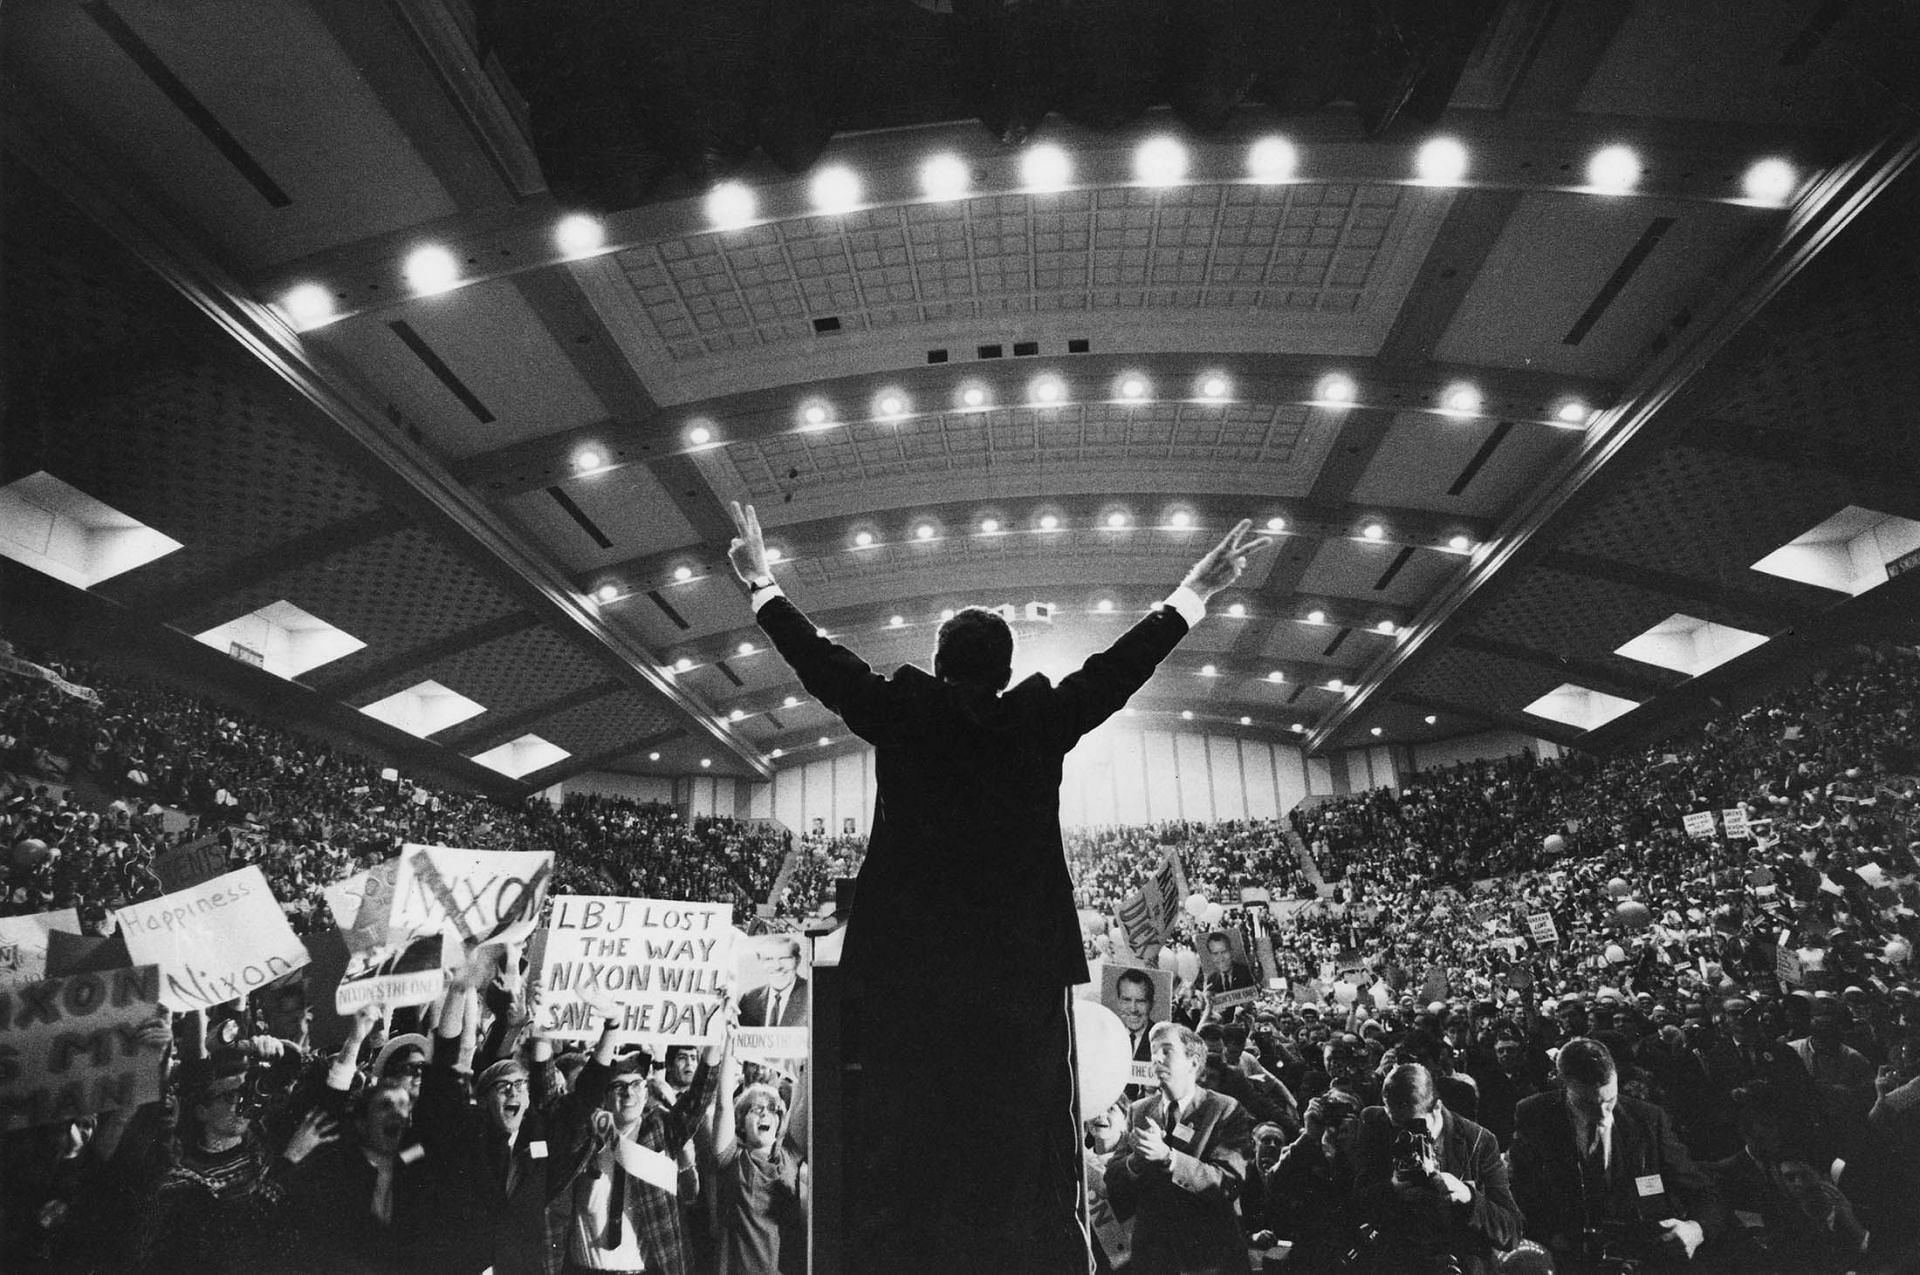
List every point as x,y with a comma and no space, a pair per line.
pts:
1507,417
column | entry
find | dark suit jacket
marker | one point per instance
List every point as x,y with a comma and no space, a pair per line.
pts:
965,877
1547,1173
753,1006
1474,1231
1183,1212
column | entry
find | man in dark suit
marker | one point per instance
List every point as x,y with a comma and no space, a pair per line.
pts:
1224,972
783,1000
1430,1182
1595,1172
1188,1153
964,940
1133,997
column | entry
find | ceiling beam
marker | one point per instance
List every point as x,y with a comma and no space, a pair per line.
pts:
567,767
1589,673
482,734
1764,608
1881,479
1385,386
421,657
1523,722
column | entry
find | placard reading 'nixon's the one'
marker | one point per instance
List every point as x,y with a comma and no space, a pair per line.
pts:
665,967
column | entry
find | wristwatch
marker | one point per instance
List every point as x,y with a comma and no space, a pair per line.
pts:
755,586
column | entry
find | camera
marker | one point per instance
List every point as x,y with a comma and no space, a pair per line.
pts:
1413,1156
1617,1248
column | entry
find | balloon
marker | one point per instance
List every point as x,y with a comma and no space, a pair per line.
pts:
1618,887
1196,905
1345,993
1214,913
1100,1039
1616,955
1554,844
1634,915
1189,967
1167,959
29,852
1898,951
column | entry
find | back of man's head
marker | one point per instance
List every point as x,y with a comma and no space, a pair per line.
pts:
975,648
1585,1061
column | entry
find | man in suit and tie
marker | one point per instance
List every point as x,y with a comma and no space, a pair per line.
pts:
964,942
1188,1153
1224,973
1598,1174
783,1000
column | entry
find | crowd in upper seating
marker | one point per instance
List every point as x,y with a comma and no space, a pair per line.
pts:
1543,1024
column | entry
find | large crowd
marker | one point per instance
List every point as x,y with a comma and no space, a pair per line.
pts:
1543,1022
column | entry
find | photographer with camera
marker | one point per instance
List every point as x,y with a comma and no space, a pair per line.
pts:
1605,1184
1307,1190
1430,1185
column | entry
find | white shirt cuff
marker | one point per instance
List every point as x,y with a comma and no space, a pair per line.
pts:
760,597
1188,604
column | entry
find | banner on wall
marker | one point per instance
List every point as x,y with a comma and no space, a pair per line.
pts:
72,1046
663,967
214,941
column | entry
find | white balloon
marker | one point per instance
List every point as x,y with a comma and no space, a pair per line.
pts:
1167,959
1196,905
1189,967
1100,1039
1213,914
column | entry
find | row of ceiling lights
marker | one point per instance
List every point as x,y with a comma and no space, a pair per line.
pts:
1158,162
1460,400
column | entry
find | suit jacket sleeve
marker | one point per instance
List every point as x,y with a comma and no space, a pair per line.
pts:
1222,1171
1687,1185
1494,1212
1101,687
1531,1184
832,674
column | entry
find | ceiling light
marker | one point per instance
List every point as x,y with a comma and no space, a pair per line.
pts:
892,405
1047,390
745,648
823,741
775,553
1385,626
815,414
1613,169
989,526
1460,400
1208,670
1276,524
683,574
1160,161
606,592
1104,606
578,235
699,436
1374,531
1132,387
946,615
1048,522
587,458
973,396
1299,728
731,205
737,715
1375,731
897,622
791,701
923,532
1459,544
1335,388
862,539
1316,617
653,756
683,665
835,189
1116,520
1431,719
1770,181
945,177
1276,677
777,753
1214,387
1272,159
1441,162
1246,721
1335,684
1238,610
308,305
1045,167
431,269
1181,519
1186,714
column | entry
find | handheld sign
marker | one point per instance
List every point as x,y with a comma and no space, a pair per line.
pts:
1699,823
24,941
71,1047
472,896
1735,821
1541,926
213,942
413,975
666,966
201,859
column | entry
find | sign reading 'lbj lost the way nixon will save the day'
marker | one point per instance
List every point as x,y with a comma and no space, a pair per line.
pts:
214,941
664,966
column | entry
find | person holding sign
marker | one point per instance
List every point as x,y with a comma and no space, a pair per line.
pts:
964,917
